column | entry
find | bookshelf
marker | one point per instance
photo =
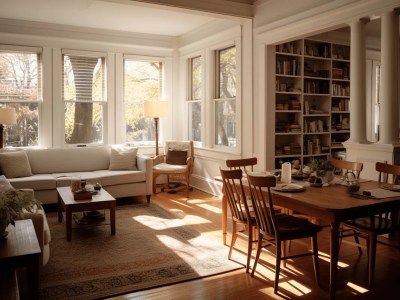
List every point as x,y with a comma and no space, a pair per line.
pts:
312,94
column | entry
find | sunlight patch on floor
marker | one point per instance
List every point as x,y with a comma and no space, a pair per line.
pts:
158,223
326,257
357,288
192,220
269,291
294,287
210,208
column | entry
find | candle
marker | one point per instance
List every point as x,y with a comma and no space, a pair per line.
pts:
286,172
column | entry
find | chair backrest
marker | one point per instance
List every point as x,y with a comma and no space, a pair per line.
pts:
246,164
179,146
345,166
386,221
386,171
235,194
263,206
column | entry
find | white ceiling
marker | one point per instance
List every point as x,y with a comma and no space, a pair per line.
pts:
123,15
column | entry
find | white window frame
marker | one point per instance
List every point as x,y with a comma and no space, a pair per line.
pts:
120,134
213,90
84,53
39,51
202,101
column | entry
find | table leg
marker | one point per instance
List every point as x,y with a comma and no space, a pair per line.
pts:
68,220
59,206
33,276
334,258
112,218
224,218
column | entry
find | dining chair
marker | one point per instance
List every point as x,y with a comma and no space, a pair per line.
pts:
239,205
279,229
345,166
177,163
246,164
386,222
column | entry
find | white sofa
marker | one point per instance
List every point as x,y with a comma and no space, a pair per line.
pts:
54,167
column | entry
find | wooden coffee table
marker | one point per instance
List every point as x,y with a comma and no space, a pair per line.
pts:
66,202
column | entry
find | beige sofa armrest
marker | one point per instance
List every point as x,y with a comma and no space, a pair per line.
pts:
145,164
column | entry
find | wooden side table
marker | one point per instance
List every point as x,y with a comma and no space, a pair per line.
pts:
21,249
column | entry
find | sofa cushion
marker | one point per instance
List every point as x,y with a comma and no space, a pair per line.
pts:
4,184
15,164
64,179
123,158
36,182
79,159
120,177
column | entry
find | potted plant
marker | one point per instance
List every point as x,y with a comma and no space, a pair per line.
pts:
12,204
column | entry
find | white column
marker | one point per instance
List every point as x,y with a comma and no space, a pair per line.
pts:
389,109
358,107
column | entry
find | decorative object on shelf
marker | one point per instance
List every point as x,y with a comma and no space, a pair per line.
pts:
156,110
12,204
8,116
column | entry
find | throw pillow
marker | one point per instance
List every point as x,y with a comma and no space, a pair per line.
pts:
15,164
123,158
176,157
5,185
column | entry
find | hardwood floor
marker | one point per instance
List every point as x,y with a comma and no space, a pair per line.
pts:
203,212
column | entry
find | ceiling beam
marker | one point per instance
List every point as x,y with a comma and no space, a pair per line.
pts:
237,8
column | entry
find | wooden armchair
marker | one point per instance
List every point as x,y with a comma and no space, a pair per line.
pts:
176,163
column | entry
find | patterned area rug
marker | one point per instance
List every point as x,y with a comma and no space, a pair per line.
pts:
151,248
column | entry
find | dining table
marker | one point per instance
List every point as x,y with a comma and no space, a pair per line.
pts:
331,204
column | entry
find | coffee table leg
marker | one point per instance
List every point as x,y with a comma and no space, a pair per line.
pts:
112,218
68,217
59,209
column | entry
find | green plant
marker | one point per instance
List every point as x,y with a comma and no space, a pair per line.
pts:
13,203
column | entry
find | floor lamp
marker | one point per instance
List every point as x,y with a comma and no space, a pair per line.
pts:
8,116
155,110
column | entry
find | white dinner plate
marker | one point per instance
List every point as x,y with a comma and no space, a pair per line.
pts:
289,187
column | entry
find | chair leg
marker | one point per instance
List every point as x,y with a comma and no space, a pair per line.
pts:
234,236
277,265
371,259
286,246
315,256
259,246
358,242
249,248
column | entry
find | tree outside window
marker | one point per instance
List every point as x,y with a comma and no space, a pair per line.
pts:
84,97
143,81
195,97
225,104
20,87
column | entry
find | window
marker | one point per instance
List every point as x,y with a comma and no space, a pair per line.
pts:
225,102
143,81
84,97
195,99
21,88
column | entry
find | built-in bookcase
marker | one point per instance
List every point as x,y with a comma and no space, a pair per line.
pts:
312,94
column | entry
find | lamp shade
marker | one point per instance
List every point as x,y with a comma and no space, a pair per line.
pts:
155,109
8,116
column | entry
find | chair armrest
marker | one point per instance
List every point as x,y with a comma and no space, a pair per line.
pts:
159,159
